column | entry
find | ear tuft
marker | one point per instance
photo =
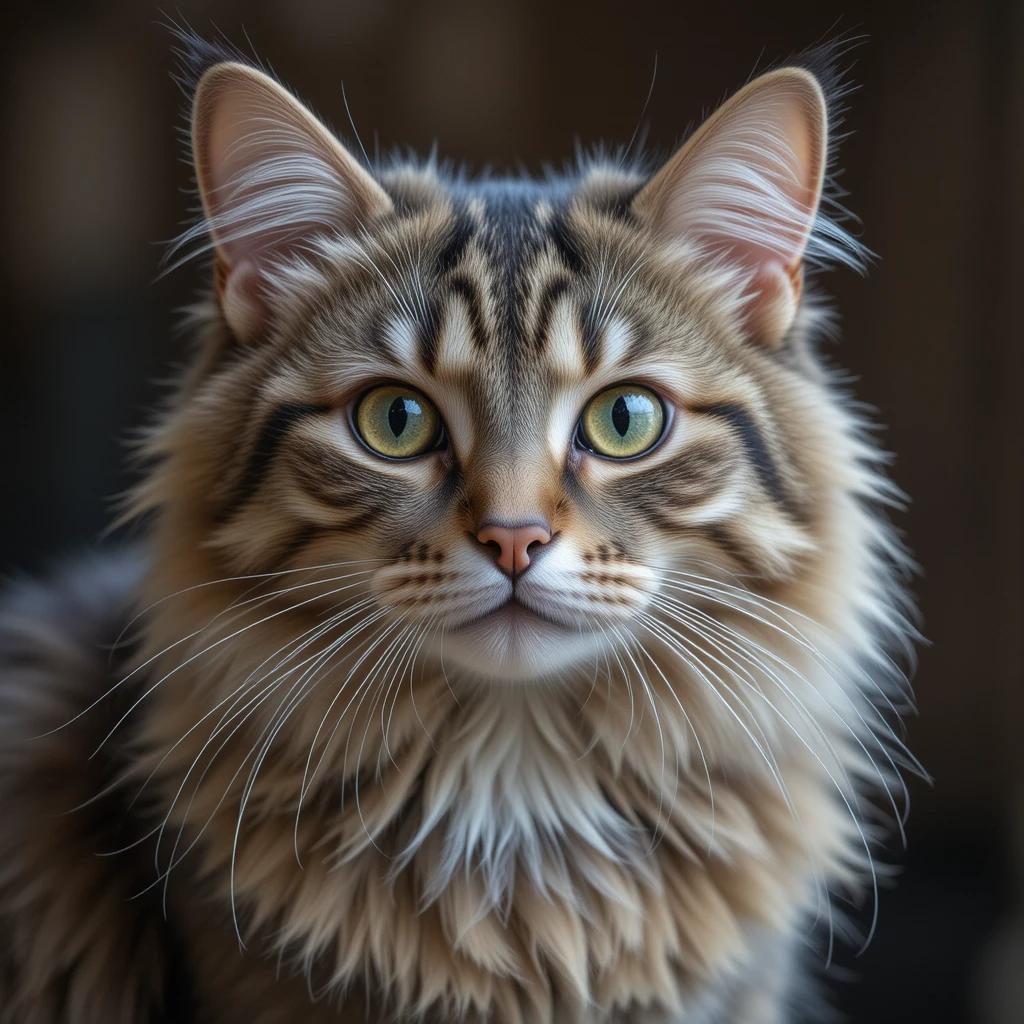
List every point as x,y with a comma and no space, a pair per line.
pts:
746,188
272,179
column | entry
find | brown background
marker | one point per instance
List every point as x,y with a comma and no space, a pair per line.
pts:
93,182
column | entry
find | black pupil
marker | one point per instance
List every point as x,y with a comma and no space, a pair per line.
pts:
620,416
398,416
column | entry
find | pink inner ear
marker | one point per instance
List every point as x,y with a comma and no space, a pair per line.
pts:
270,185
272,180
752,181
747,187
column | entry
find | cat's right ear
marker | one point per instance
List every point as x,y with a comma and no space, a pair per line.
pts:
271,178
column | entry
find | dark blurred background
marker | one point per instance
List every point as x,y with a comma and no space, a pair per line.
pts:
93,183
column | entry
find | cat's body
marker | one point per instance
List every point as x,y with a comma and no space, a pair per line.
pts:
629,794
91,938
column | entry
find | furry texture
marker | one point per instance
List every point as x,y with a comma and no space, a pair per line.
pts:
630,802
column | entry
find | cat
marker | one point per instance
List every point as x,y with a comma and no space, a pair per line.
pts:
513,633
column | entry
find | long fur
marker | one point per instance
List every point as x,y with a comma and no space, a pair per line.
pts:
341,799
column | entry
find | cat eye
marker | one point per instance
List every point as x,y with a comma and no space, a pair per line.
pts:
396,421
621,422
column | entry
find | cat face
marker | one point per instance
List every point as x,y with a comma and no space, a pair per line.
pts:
506,412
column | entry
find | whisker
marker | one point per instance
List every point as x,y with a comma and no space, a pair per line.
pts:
774,608
233,579
299,642
431,622
842,794
739,640
384,663
298,691
833,670
223,640
675,641
661,735
308,777
243,714
700,749
691,657
743,676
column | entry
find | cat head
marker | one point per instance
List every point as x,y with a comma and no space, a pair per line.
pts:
508,413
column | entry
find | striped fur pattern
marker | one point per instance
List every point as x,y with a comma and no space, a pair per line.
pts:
354,790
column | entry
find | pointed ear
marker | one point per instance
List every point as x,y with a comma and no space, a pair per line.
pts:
746,187
271,178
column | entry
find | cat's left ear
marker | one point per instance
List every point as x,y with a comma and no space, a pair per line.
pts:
746,187
272,178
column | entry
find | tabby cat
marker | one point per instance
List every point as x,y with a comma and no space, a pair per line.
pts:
510,638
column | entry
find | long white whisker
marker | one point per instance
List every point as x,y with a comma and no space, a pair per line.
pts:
234,579
802,641
308,776
700,749
742,675
740,641
206,650
661,735
779,612
840,791
286,707
300,642
691,657
385,664
242,715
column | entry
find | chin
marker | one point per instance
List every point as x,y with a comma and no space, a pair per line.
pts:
514,644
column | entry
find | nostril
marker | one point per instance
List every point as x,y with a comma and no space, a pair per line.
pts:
526,538
500,540
530,542
512,546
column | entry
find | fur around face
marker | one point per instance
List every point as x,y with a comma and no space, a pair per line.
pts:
325,748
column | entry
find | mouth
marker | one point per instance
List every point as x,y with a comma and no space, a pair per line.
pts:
512,642
513,614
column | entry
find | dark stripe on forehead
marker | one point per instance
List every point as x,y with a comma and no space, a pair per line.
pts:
467,290
618,205
590,331
511,238
641,335
428,332
273,432
756,448
377,339
565,242
553,291
459,235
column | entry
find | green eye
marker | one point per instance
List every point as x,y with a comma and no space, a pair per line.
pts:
397,422
622,421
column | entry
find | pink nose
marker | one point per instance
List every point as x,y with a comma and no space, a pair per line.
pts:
513,544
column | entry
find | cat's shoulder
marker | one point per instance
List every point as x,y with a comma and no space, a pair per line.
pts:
63,641
80,944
